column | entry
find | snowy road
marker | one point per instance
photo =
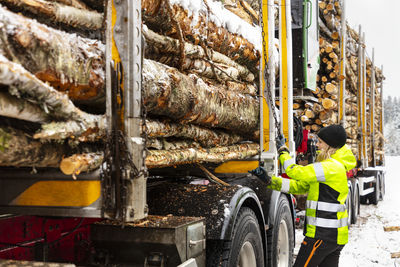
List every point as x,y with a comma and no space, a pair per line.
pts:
369,245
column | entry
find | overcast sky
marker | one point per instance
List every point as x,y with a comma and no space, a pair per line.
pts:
379,20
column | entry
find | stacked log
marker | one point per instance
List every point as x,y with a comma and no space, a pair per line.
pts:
324,112
200,83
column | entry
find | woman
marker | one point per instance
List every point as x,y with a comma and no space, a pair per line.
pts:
326,230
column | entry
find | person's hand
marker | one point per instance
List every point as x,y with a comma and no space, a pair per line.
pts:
261,173
280,144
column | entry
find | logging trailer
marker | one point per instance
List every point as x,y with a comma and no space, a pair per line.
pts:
207,214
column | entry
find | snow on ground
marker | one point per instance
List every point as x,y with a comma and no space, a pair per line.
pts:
369,245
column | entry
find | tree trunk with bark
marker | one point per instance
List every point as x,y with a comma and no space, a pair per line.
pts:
60,13
78,163
56,104
187,98
19,150
171,19
206,137
66,61
163,158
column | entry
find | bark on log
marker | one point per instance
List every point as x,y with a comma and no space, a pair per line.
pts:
163,158
206,137
60,13
199,29
168,92
66,61
92,128
17,108
56,104
164,144
168,45
75,164
19,150
74,3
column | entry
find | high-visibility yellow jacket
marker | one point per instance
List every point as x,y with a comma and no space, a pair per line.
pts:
326,185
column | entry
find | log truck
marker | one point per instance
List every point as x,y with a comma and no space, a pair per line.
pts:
186,215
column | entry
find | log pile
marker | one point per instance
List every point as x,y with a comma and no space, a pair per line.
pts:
324,111
200,83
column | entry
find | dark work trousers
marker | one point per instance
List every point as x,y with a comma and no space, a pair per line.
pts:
316,252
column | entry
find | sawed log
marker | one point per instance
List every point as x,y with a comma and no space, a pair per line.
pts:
68,62
19,150
60,13
198,28
170,46
77,163
56,104
206,137
163,158
187,98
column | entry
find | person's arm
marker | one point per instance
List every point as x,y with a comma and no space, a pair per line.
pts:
288,185
310,173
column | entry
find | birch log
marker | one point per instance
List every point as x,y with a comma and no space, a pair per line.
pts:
68,62
74,3
77,163
163,158
206,137
198,28
60,13
19,150
56,104
187,98
19,109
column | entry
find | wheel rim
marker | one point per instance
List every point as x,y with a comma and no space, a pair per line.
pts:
247,256
283,245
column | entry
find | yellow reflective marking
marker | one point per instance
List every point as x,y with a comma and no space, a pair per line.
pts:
236,167
285,102
364,120
265,108
60,193
114,50
341,82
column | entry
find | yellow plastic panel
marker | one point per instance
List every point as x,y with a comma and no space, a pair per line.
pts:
60,194
236,167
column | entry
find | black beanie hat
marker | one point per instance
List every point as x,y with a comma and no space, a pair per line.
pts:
334,135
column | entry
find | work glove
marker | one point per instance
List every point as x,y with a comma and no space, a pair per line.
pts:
280,144
261,173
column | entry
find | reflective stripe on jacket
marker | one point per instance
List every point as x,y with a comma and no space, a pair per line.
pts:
326,185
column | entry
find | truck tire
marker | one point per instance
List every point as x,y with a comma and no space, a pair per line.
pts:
281,236
355,204
245,248
374,196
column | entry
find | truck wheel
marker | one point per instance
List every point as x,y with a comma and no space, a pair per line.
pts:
374,196
349,207
246,247
356,204
281,236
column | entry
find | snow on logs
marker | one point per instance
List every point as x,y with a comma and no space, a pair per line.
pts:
200,83
68,62
207,23
189,99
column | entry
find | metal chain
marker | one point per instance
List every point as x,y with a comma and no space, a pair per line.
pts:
105,174
266,75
